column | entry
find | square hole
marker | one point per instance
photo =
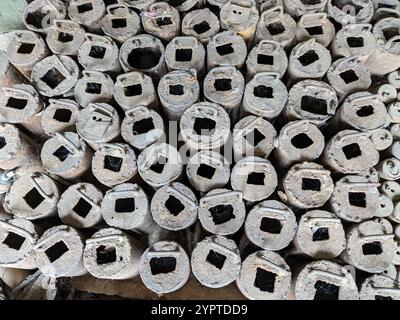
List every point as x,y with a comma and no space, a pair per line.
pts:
315,31
62,115
201,27
223,84
174,205
254,137
62,153
270,225
222,213
176,90
301,141
158,166
225,49
93,88
326,291
365,111
53,78
349,76
16,103
14,241
204,126
33,198
143,126
119,23
321,234
265,280
65,37
379,297
164,21
133,90
82,208
85,7
112,163
56,251
162,265
310,184
105,255
256,178
124,205
351,151
357,199
263,92
183,55
372,248
355,42
206,171
265,59
26,48
308,58
275,28
97,52
314,105
216,259
3,142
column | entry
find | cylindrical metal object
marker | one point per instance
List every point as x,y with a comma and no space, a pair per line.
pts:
9,75
394,79
98,123
226,48
386,57
143,53
255,177
263,5
185,53
60,116
309,59
126,206
161,20
276,25
370,245
320,235
240,16
134,89
87,13
225,86
99,53
299,141
40,14
350,11
264,276
79,205
21,104
174,207
379,287
178,90
382,139
348,75
201,23
66,155
315,26
389,169
164,267
266,56
362,111
311,100
159,164
354,40
25,48
394,112
59,252
355,198
307,185
121,22
271,225
265,95
325,280
205,125
216,261
208,170
113,164
298,8
32,196
17,238
222,211
387,93
93,87
350,151
65,37
55,75
142,127
253,136
17,151
112,254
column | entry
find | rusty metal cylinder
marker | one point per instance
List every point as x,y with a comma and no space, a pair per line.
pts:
226,48
79,205
142,127
265,95
389,169
32,196
55,75
254,177
174,207
60,116
99,53
87,13
178,90
222,211
216,261
114,163
202,24
144,53
94,86
315,26
120,22
298,141
185,53
299,8
39,15
350,11
59,252
112,254
379,287
307,185
65,37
